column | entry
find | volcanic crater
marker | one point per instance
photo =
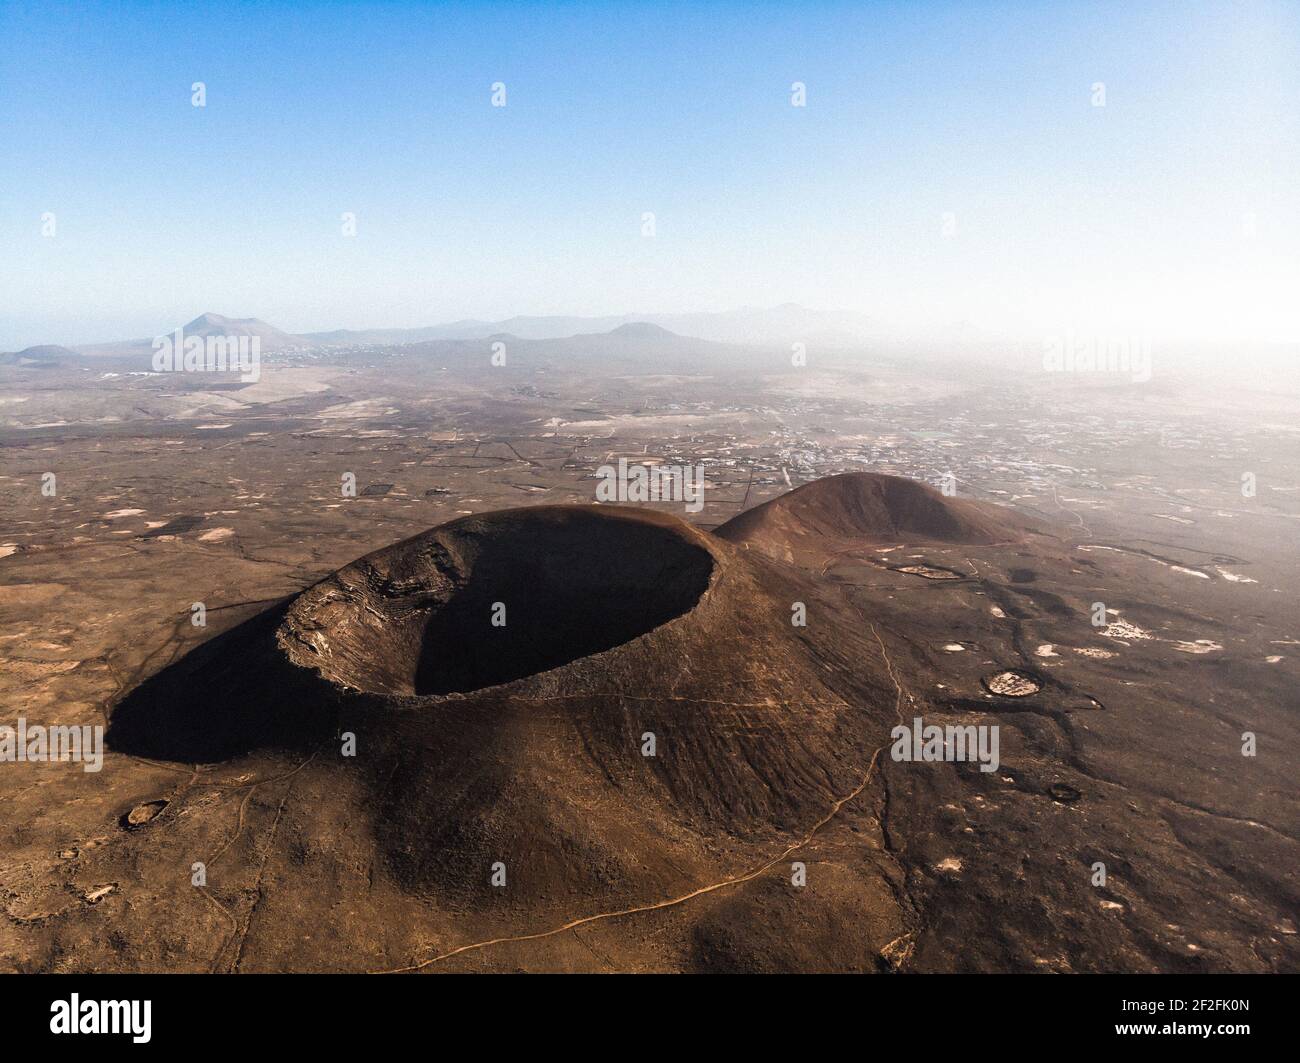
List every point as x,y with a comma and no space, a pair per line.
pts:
488,600
644,714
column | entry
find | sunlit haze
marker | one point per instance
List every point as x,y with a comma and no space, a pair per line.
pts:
1004,171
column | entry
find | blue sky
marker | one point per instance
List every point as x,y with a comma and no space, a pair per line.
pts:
1174,209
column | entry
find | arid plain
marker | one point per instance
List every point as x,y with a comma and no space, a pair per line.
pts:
1172,503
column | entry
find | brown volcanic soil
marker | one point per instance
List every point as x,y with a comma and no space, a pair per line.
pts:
865,507
477,745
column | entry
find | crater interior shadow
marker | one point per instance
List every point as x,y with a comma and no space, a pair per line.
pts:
563,599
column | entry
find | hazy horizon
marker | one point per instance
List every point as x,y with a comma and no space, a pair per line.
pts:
950,166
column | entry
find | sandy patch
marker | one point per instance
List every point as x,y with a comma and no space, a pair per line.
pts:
216,535
33,671
362,408
1233,577
1124,631
279,384
27,594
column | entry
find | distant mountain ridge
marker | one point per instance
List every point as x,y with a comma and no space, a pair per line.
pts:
43,356
751,326
787,323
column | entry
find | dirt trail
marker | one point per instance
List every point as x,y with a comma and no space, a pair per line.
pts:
1077,516
736,880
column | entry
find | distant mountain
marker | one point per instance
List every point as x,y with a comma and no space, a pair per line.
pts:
642,330
203,326
217,325
784,324
46,356
642,346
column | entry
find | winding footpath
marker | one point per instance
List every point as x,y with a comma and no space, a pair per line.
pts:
868,774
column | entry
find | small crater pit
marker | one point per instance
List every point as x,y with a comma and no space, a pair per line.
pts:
1012,684
1064,793
936,572
143,814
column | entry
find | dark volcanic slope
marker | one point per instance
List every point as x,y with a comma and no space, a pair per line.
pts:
525,744
818,517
